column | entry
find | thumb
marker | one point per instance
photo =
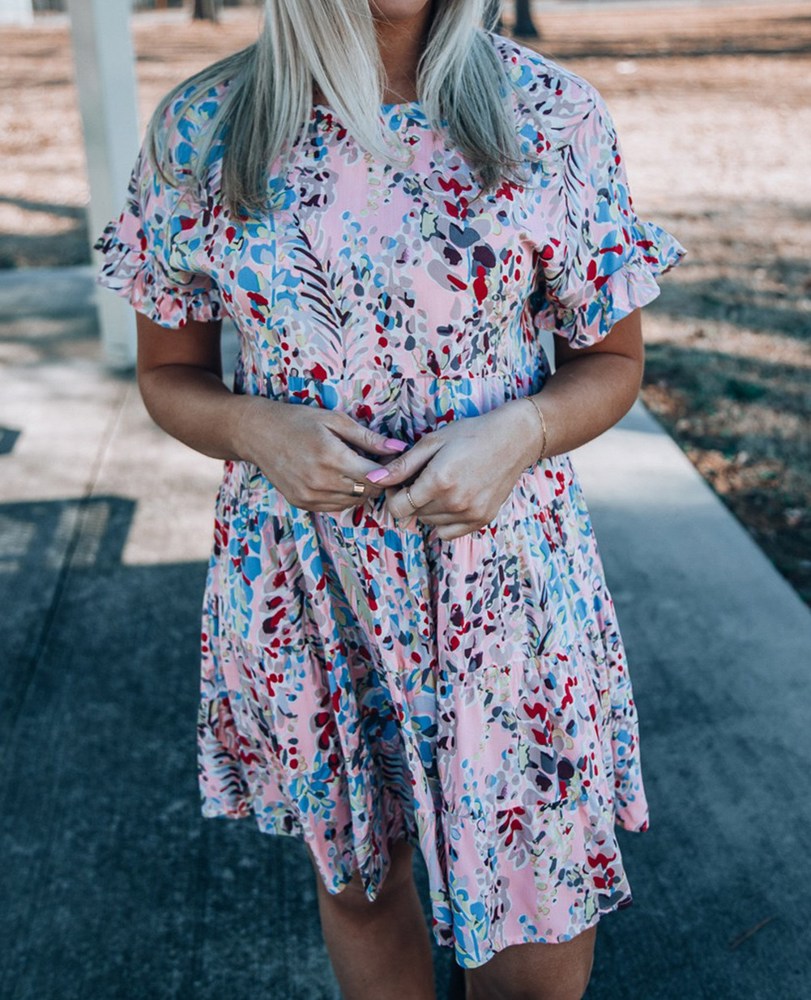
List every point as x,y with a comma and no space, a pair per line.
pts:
404,466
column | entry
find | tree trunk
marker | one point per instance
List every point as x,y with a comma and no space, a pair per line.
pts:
205,10
524,27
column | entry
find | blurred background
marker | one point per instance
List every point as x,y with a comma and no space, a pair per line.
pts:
113,886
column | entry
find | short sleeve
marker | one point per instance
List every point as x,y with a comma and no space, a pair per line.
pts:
599,261
138,258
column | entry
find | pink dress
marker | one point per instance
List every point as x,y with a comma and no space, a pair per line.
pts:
361,682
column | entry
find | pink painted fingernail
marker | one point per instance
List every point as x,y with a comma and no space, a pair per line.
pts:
376,475
394,445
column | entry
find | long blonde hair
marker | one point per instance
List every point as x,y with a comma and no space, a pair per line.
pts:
461,80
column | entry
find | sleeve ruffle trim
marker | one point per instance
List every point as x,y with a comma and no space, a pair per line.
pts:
630,287
133,274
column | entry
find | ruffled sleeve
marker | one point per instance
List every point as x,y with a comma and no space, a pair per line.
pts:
599,261
139,258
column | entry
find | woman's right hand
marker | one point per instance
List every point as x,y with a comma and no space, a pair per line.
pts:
311,454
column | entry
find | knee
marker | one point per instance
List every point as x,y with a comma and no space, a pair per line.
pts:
572,989
352,896
536,972
574,981
401,872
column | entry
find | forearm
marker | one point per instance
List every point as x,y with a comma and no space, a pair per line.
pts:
586,397
193,405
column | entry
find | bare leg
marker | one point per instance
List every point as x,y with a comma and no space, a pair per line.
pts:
379,950
535,971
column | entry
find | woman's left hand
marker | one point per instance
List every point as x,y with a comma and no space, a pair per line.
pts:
460,475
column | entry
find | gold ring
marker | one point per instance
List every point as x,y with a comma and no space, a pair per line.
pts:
358,489
408,497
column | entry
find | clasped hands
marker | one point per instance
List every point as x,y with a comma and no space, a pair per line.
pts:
457,477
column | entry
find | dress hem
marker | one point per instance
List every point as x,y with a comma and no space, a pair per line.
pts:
297,833
510,941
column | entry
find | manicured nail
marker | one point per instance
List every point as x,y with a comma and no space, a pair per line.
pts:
376,475
394,445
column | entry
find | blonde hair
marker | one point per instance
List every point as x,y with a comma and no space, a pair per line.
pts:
461,80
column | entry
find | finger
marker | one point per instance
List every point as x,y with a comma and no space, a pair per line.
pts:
407,465
405,502
328,503
337,491
333,480
437,518
370,492
445,531
363,437
342,466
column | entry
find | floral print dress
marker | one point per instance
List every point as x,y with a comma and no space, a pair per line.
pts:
363,682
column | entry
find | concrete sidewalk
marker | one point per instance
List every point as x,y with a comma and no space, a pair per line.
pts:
113,886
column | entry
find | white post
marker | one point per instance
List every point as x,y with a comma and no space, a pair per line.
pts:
19,12
105,75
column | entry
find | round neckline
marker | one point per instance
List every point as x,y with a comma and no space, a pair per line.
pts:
413,105
401,104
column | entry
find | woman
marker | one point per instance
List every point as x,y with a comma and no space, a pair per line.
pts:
407,640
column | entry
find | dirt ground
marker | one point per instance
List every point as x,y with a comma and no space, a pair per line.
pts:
712,104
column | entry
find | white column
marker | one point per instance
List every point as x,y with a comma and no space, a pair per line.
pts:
16,12
105,75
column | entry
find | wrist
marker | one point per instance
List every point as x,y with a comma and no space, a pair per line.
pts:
249,423
543,448
531,430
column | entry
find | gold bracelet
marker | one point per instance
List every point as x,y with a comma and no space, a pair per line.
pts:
539,411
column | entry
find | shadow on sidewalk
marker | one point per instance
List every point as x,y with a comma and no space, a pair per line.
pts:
113,885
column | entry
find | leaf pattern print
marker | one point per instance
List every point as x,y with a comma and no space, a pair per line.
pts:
316,288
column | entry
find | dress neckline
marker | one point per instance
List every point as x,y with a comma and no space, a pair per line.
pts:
396,116
402,104
411,105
